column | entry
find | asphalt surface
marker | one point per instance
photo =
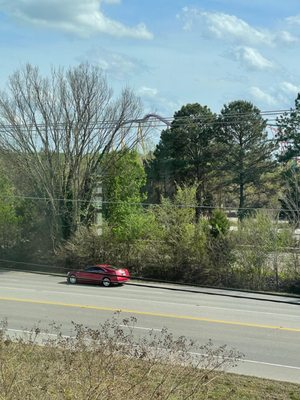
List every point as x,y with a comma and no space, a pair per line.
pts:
265,328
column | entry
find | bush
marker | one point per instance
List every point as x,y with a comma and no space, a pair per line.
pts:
219,223
109,363
164,242
260,244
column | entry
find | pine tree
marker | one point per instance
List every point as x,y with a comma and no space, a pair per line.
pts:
247,153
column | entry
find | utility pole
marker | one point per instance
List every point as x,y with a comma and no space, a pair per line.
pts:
98,201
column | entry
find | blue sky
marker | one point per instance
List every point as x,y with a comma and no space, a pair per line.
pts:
171,52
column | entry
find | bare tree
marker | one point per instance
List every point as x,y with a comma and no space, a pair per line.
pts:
57,130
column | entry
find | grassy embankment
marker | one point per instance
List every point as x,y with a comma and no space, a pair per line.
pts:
111,364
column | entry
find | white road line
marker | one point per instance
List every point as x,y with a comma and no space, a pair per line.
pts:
255,362
141,328
29,332
271,364
159,330
24,331
294,316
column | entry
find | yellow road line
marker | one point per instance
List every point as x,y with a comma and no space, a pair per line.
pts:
152,314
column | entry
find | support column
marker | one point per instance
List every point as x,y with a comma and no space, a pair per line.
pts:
98,208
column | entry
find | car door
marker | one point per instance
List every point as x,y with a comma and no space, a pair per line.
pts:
92,274
97,274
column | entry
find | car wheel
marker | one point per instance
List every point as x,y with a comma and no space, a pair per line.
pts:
106,282
72,279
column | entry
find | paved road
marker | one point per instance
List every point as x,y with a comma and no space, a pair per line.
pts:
266,329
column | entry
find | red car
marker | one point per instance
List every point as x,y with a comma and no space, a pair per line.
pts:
104,274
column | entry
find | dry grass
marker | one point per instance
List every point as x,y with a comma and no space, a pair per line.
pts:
110,364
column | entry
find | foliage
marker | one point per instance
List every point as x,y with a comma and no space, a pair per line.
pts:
219,223
186,251
261,241
247,154
24,227
288,132
290,195
127,222
264,193
54,130
202,164
163,242
10,221
186,152
84,247
124,246
182,241
107,369
124,180
109,363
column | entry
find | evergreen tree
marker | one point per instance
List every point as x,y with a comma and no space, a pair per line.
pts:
186,153
289,136
289,132
247,153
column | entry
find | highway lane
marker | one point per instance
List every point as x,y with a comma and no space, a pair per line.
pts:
268,333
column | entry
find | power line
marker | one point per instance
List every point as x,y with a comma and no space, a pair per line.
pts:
136,123
147,204
100,125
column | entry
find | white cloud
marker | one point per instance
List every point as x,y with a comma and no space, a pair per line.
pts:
147,91
112,1
252,58
229,27
79,17
118,65
287,37
262,96
290,88
224,26
154,101
295,19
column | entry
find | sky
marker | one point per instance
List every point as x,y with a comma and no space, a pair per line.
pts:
170,52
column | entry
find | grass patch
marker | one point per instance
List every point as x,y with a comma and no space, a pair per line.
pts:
238,387
110,363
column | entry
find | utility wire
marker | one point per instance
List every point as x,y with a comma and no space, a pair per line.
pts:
181,122
143,204
136,123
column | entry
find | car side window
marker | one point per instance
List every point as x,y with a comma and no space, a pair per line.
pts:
89,268
94,269
98,270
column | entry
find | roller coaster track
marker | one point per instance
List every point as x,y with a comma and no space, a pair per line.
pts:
148,116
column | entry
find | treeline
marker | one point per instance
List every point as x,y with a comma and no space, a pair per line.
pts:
215,203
